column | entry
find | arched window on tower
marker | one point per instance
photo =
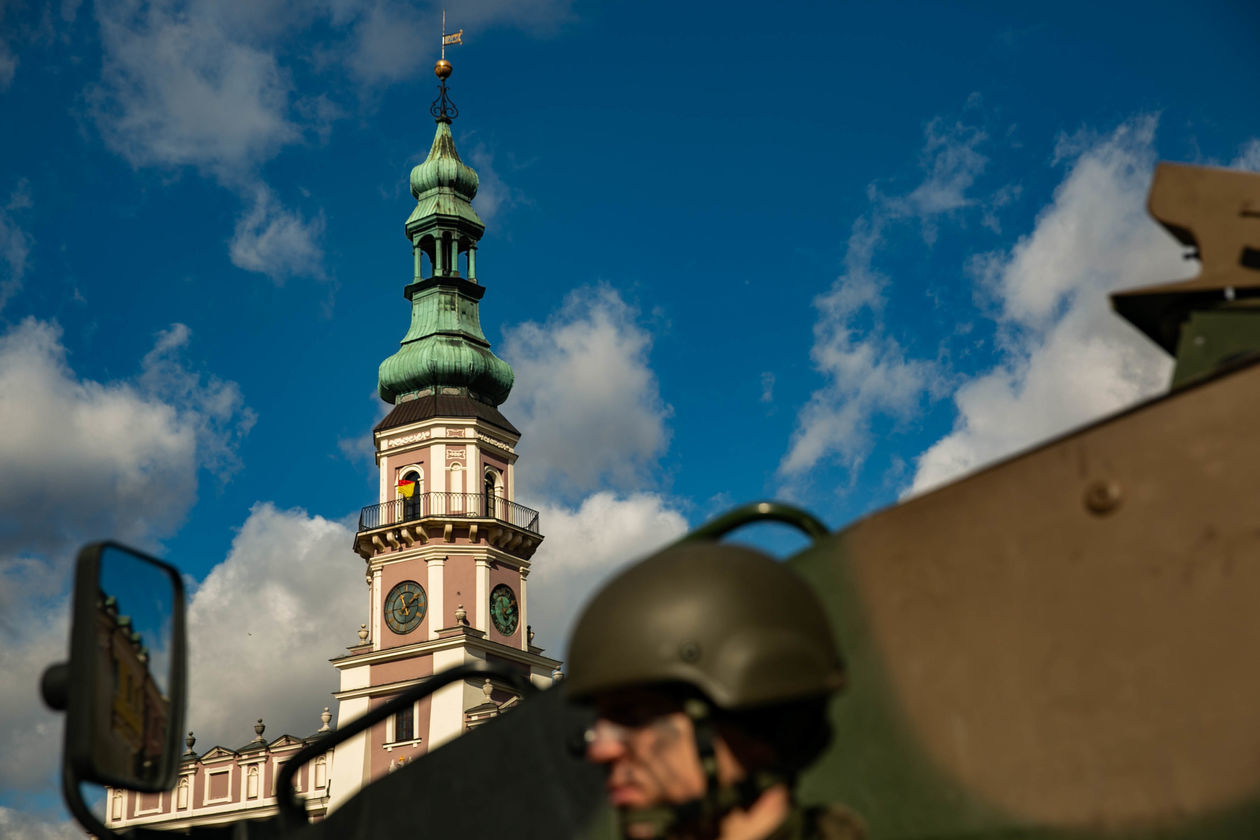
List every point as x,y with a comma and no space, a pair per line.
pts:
411,493
492,501
428,260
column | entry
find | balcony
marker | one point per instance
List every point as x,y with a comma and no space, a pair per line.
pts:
448,506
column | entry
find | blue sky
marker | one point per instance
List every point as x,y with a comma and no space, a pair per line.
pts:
827,252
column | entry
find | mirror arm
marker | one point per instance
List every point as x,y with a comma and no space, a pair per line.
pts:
54,686
292,812
78,808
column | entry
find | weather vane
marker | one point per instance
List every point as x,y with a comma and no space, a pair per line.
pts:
443,109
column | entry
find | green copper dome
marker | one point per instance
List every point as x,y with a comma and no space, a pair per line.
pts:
444,185
445,350
445,347
443,168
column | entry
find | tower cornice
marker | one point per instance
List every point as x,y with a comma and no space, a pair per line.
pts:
468,638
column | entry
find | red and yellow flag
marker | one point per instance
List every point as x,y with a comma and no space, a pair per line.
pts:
407,487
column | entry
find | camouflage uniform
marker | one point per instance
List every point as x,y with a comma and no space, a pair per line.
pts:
824,822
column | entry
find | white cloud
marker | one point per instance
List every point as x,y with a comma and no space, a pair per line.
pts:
8,61
951,162
385,39
32,827
201,85
1068,358
213,408
8,65
34,621
264,623
274,241
868,372
1248,156
584,546
127,453
493,194
83,459
15,243
586,400
870,377
385,32
767,387
206,85
177,89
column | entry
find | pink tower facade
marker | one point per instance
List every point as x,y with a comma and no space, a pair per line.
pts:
446,548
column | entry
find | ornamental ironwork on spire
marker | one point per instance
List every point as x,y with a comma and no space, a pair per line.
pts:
445,351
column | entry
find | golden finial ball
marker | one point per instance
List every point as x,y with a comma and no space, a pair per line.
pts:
442,69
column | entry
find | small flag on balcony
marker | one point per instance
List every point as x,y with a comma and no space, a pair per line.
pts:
407,487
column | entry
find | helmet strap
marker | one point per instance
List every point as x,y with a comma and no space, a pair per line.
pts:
710,805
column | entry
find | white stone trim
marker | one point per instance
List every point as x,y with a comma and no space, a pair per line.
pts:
478,648
437,453
350,767
446,710
482,577
377,608
383,468
387,443
521,602
436,592
495,442
249,771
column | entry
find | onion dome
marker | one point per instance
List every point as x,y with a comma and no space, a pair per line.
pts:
445,350
443,169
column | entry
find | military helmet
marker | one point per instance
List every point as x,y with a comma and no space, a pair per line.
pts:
732,622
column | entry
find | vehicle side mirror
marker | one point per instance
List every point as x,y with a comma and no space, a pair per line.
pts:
123,690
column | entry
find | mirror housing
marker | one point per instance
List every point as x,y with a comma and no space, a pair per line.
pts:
123,689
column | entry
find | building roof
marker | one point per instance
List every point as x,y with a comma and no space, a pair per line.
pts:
444,405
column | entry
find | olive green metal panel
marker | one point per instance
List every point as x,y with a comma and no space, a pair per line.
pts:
1065,644
1213,338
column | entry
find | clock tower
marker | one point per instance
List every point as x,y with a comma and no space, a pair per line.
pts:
446,547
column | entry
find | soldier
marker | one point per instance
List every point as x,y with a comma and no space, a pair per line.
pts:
709,667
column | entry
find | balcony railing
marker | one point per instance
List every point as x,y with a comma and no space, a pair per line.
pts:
446,505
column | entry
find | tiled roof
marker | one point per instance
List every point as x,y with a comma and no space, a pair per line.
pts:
444,405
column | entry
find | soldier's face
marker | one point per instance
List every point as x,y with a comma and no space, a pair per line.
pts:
648,746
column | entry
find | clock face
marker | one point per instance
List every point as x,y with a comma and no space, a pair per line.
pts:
503,610
405,607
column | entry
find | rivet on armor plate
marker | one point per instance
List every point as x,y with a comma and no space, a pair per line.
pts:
1102,497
